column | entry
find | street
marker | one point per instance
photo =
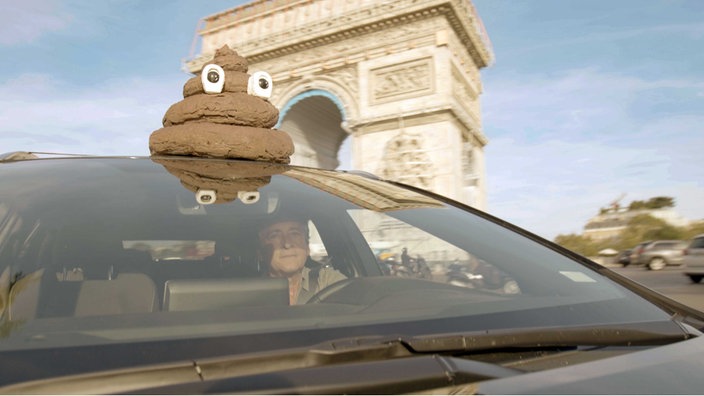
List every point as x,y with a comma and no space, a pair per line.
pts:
669,282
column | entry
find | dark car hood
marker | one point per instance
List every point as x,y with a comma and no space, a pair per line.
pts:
670,369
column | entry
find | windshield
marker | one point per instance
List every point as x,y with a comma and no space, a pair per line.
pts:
116,251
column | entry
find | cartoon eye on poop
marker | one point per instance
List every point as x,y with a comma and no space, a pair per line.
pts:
213,78
260,85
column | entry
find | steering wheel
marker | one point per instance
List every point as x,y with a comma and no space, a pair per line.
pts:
329,290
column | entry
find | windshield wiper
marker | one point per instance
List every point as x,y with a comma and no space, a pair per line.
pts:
364,362
627,334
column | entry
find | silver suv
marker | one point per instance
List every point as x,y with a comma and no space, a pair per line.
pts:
694,259
659,254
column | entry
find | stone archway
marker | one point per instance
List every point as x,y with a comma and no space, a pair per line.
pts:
400,77
314,119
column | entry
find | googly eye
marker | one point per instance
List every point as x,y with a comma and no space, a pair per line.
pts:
260,84
213,78
206,197
248,197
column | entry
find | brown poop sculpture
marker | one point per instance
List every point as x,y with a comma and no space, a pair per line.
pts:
225,113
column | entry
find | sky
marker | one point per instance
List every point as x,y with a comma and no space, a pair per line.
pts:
586,100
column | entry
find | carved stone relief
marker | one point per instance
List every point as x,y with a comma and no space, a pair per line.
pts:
406,160
359,47
279,88
465,95
347,77
467,66
469,171
402,81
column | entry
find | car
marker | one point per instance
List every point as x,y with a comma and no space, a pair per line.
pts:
693,261
213,265
119,275
624,257
659,254
636,251
479,274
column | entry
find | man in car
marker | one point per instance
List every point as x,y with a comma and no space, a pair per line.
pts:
285,252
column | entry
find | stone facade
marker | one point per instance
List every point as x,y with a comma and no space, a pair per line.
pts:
400,77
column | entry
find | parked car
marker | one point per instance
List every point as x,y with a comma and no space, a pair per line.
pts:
142,275
624,257
659,254
693,261
636,251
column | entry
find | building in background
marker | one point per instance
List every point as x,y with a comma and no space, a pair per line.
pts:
611,223
400,79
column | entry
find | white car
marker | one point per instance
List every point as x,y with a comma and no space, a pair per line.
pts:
693,262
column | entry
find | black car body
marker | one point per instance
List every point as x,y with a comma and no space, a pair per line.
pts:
624,257
118,276
693,262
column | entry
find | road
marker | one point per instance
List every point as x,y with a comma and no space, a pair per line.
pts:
669,282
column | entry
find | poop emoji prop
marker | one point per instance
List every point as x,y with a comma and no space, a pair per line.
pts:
225,113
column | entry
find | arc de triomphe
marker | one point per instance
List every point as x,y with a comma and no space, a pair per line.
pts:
400,78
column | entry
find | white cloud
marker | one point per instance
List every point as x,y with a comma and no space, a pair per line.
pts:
563,146
41,114
691,30
584,101
23,22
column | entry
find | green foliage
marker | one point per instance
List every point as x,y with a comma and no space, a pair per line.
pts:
577,243
694,229
639,229
644,228
653,203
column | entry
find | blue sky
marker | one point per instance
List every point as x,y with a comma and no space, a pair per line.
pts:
586,100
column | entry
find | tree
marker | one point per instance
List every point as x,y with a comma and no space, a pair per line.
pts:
648,228
694,229
640,228
653,203
578,244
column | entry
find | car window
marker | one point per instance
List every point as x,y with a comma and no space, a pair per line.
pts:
317,247
159,250
407,251
697,243
140,249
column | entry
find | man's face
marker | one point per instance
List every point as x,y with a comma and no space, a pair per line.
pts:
287,244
